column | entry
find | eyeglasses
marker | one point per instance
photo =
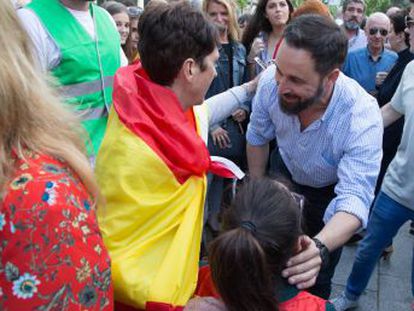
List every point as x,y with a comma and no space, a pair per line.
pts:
409,21
382,31
134,11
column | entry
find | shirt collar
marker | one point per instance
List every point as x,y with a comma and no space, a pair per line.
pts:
332,102
368,53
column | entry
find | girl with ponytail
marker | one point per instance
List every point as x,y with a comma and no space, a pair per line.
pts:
261,232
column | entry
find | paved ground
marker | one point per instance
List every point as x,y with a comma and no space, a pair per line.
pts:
390,286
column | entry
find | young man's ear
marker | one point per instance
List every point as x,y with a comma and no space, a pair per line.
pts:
188,69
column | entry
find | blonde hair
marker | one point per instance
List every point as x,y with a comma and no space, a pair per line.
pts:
230,5
32,117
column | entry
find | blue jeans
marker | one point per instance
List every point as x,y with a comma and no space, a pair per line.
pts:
386,219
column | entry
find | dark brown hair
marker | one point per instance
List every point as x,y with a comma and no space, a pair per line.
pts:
261,230
398,22
321,37
259,22
171,33
113,8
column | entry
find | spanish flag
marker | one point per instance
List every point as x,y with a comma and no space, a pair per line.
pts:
152,169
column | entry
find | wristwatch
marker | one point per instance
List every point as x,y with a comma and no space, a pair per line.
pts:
323,252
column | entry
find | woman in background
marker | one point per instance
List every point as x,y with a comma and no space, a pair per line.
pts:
119,13
263,34
132,42
52,254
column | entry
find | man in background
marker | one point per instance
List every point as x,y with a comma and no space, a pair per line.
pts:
77,42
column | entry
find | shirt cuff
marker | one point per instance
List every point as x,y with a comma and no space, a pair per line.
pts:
350,205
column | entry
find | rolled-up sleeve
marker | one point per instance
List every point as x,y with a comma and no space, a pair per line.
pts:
261,129
358,170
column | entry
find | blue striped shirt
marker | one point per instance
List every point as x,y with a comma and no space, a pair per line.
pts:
344,146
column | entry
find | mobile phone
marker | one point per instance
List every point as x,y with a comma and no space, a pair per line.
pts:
260,63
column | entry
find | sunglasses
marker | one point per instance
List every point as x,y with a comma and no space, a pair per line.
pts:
382,31
134,11
409,21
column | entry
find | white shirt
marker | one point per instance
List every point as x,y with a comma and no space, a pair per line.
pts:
45,49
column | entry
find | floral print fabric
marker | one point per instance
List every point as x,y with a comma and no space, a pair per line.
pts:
52,253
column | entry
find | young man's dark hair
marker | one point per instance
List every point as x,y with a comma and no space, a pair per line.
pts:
320,36
168,35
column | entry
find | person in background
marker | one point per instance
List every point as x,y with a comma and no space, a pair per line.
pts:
243,21
52,254
392,10
119,13
400,43
364,64
312,7
261,232
263,35
77,42
227,139
134,13
394,204
353,17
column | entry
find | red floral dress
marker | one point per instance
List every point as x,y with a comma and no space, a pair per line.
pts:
52,253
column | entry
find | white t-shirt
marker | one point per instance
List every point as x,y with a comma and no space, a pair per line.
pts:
45,49
399,180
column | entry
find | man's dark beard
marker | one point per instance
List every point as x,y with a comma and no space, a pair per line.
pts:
301,105
351,25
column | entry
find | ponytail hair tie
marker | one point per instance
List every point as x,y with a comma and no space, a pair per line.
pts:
248,225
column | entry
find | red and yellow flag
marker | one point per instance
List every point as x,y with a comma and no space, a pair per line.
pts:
151,169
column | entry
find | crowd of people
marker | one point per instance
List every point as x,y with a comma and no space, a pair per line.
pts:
183,157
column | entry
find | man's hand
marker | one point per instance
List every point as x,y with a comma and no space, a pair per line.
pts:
221,138
239,115
303,268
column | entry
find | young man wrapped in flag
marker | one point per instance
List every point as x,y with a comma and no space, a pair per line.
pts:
153,161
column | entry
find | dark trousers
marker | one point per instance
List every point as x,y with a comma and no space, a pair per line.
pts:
316,202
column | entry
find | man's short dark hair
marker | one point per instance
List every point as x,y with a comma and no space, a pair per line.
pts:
171,33
321,37
347,2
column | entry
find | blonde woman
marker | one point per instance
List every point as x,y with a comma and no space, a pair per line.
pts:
52,254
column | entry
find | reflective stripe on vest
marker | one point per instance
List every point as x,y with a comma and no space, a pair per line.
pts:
92,113
86,88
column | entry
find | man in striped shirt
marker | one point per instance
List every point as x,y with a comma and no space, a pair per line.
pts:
329,136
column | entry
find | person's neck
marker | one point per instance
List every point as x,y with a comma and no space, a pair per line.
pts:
375,52
223,37
401,47
276,32
351,32
316,111
77,5
181,94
